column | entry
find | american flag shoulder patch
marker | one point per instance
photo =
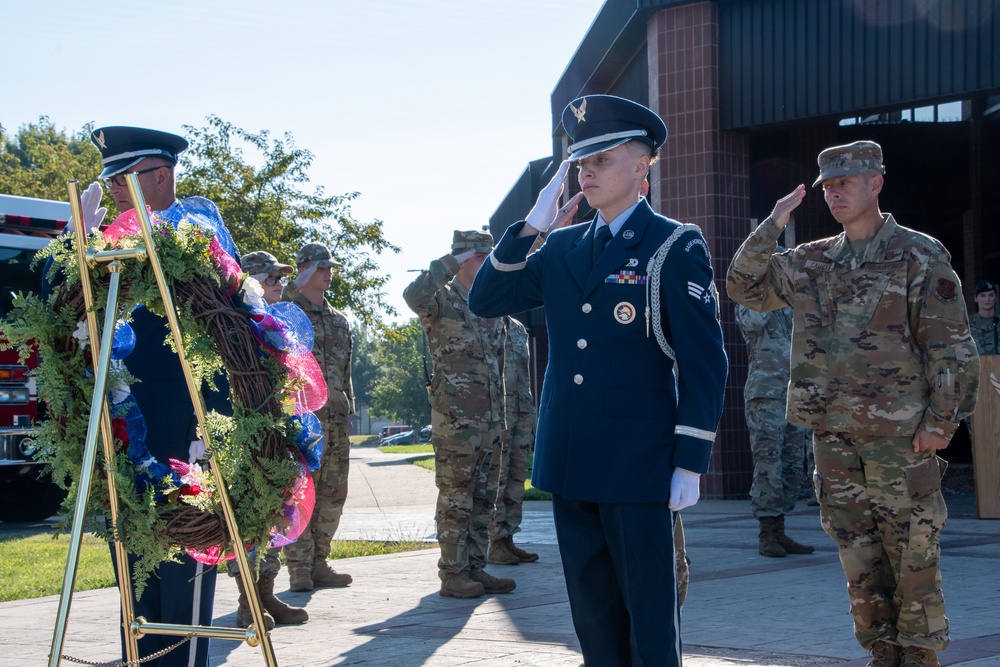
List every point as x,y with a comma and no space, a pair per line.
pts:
626,278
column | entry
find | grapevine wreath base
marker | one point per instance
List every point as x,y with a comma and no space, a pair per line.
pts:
265,450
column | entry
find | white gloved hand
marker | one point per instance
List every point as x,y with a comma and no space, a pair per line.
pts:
684,491
90,205
464,257
305,275
543,213
196,451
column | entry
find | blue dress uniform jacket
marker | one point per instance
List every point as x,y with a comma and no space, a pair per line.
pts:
613,422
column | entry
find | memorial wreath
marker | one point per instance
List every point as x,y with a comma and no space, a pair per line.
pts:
264,449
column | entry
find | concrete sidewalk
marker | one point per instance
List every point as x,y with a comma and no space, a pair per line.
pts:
742,609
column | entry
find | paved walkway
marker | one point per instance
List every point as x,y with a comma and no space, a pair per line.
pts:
742,609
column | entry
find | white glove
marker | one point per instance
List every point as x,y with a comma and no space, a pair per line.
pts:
304,276
196,451
464,257
684,491
543,214
90,205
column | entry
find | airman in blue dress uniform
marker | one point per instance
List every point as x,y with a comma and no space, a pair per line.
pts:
622,440
181,592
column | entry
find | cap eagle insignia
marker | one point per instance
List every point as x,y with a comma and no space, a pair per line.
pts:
579,112
100,140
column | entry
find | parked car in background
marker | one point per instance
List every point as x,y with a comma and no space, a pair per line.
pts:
425,434
390,431
405,438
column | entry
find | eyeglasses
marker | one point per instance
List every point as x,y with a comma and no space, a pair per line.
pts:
119,179
276,280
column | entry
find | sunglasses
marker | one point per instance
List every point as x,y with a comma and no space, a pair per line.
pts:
119,179
276,280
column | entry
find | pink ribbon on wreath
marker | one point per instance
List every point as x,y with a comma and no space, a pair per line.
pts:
297,510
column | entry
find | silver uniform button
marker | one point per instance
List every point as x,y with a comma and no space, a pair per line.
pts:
586,307
581,343
578,378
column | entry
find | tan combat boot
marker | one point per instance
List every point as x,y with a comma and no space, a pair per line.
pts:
885,654
492,585
243,615
524,556
915,656
501,552
460,586
283,614
767,542
324,576
299,579
788,544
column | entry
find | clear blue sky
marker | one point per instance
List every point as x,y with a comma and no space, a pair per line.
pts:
428,108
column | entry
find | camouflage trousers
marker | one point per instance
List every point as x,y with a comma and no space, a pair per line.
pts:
269,564
331,492
518,444
467,456
881,503
778,449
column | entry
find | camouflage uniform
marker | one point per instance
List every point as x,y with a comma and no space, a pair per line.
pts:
985,332
466,396
880,350
778,447
519,435
332,349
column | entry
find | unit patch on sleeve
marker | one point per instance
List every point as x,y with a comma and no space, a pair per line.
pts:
946,290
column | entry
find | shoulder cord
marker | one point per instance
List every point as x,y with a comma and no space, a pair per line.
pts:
653,273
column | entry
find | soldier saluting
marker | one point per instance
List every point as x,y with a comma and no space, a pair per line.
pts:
883,369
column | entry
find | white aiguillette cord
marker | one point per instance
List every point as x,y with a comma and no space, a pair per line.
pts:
653,274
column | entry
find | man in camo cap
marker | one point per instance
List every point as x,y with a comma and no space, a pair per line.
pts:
883,368
306,557
467,409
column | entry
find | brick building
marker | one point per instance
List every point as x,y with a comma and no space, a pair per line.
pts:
752,90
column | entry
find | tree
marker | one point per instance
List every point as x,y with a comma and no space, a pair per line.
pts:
266,208
400,390
39,160
364,363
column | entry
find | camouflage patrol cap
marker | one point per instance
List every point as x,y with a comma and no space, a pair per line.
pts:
848,160
316,253
263,262
471,240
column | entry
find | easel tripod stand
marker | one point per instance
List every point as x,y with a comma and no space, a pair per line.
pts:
100,419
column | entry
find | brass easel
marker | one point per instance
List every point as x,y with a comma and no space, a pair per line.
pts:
136,627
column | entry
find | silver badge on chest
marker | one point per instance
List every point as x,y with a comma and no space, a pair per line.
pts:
624,312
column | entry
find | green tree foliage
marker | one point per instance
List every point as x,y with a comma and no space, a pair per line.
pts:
400,390
267,208
39,159
364,363
260,185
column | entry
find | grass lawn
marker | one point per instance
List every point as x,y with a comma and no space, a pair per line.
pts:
33,564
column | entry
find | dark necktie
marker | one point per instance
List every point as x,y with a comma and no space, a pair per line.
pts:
601,239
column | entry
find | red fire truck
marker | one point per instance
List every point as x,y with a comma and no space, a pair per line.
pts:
26,226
